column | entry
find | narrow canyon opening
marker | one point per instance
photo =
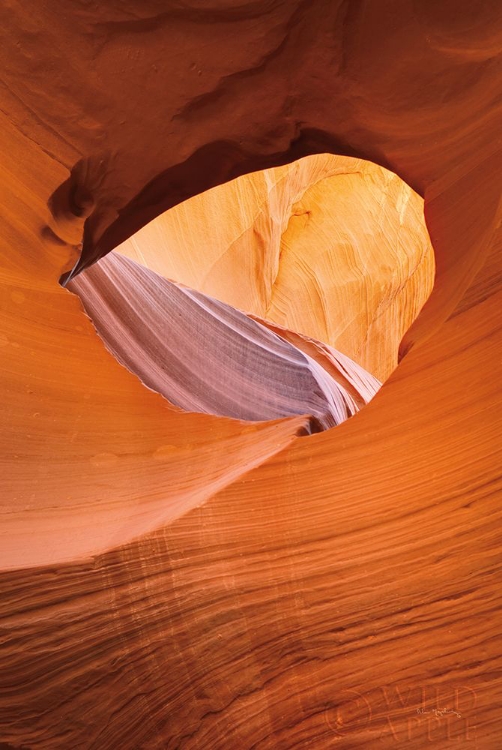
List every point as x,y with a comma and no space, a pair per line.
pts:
284,292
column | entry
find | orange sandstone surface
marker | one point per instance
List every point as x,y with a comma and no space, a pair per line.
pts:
184,580
332,247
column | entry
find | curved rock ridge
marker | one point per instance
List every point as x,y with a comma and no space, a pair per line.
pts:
205,356
330,246
90,458
180,581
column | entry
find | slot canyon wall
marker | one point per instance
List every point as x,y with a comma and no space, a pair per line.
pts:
332,247
188,580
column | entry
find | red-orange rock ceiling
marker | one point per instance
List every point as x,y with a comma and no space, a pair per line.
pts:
187,581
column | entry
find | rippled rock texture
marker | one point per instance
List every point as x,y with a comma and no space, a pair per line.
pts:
205,356
182,580
329,246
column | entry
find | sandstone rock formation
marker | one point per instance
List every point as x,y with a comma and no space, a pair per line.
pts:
207,357
332,247
174,580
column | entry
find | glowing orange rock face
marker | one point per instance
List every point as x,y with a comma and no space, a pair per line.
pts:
355,272
188,581
332,247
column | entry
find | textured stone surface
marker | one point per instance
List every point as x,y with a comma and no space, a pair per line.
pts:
332,247
188,581
207,357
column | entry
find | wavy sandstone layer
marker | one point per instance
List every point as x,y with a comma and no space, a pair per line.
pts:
174,580
330,246
205,356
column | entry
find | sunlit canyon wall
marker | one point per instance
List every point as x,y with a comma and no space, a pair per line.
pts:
172,577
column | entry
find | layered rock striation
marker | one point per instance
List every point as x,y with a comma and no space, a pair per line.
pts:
180,580
207,357
332,247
